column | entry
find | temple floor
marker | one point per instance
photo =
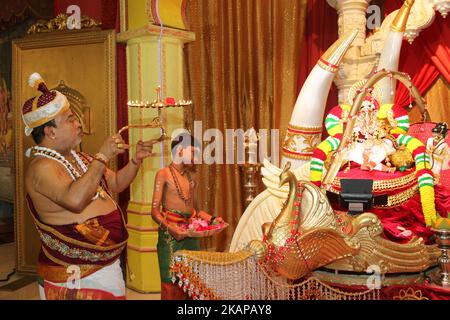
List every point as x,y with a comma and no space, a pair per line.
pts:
30,291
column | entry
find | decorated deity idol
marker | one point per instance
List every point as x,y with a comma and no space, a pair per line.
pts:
370,148
405,196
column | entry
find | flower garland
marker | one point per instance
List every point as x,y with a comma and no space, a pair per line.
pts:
424,175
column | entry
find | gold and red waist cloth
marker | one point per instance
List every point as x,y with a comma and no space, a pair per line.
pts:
91,245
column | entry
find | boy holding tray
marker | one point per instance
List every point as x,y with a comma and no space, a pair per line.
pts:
174,205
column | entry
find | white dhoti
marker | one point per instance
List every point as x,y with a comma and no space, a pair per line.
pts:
106,283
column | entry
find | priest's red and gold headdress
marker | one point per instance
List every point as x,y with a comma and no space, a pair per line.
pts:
44,107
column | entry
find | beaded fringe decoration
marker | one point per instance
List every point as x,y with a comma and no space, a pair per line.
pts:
241,276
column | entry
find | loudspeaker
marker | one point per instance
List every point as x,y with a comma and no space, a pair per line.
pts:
356,195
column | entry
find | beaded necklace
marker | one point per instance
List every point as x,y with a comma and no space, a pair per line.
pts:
55,155
178,187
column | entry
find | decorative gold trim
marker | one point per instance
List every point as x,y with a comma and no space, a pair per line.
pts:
76,242
138,203
59,23
149,11
336,277
393,200
401,197
331,59
59,273
100,258
385,185
142,229
142,250
152,30
309,143
296,156
123,13
362,6
216,258
140,77
185,263
327,67
139,213
311,138
325,285
313,130
65,264
401,19
410,294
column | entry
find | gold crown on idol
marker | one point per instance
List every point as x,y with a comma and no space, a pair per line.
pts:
159,102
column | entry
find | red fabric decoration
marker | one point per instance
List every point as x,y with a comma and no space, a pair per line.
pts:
402,292
320,33
427,58
122,108
408,215
13,12
55,292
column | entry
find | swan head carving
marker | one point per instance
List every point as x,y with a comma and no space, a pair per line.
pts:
286,175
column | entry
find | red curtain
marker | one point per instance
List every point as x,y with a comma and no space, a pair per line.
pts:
427,58
13,12
401,292
320,33
122,108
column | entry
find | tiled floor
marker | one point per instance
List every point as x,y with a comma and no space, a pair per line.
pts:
30,292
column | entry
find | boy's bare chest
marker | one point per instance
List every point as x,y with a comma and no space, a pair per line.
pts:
182,184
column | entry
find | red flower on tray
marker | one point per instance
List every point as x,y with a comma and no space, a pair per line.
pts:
201,228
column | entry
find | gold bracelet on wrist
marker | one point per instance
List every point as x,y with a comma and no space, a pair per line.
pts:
102,158
103,162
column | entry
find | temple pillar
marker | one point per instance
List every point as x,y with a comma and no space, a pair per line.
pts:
147,57
356,65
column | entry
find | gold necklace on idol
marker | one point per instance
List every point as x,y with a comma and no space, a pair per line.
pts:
74,174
